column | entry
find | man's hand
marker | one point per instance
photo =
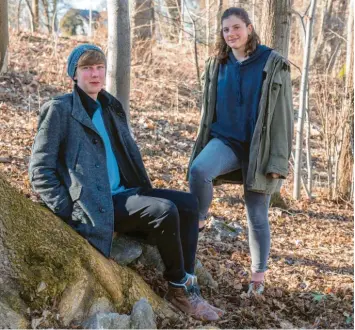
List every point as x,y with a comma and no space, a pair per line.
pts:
273,175
156,222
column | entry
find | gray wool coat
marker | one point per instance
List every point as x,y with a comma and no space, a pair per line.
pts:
68,165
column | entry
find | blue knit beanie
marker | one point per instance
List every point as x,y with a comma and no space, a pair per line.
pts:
74,56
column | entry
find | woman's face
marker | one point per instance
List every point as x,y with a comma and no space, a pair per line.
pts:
236,32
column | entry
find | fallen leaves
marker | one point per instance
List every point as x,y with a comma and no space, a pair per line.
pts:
310,279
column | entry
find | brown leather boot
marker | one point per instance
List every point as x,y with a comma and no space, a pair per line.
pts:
190,303
196,289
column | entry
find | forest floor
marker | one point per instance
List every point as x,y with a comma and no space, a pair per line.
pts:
311,267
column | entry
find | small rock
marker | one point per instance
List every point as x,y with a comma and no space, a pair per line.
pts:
125,250
101,305
204,277
151,257
142,316
286,324
42,286
108,321
221,230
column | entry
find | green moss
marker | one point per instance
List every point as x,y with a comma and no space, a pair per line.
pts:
43,248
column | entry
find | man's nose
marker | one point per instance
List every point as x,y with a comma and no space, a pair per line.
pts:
95,72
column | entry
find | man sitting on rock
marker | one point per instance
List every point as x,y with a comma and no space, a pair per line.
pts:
88,170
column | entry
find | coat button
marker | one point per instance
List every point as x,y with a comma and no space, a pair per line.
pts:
274,88
94,141
99,188
102,210
97,165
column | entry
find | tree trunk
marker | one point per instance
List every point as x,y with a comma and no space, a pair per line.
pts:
207,4
303,94
326,12
4,36
275,25
142,19
119,52
46,266
35,10
218,19
346,155
46,11
174,9
275,33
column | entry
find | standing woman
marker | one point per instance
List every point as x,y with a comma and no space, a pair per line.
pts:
246,129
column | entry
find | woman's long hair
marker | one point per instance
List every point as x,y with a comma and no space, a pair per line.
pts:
222,49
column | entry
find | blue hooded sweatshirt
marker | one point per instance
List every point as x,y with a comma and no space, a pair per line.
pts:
238,96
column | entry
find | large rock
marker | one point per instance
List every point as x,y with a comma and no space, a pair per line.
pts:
125,250
151,257
142,316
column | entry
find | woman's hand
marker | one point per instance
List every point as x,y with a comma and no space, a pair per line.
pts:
273,175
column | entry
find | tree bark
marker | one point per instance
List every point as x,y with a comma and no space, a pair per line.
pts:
119,52
4,36
303,93
275,25
218,19
45,265
142,19
35,10
174,9
275,33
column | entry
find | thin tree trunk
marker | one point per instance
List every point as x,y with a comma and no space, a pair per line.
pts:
18,14
31,15
90,20
308,145
303,94
35,10
4,36
142,19
195,46
207,27
182,23
119,52
218,19
174,9
346,155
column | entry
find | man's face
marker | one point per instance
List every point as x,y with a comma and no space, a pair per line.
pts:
91,78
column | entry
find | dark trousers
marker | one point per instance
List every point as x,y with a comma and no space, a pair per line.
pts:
170,216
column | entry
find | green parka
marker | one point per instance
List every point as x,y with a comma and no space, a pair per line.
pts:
271,145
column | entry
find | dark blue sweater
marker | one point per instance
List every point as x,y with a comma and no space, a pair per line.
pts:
238,96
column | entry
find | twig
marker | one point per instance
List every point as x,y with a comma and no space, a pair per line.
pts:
338,35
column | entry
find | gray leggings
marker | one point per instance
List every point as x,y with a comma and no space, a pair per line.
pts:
217,159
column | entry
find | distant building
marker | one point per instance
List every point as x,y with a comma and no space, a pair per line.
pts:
76,21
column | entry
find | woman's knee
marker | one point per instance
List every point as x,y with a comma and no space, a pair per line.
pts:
198,172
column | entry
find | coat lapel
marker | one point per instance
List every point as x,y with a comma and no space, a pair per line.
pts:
80,114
